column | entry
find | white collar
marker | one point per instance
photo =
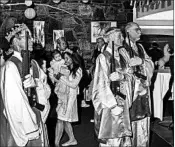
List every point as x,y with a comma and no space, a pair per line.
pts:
102,49
133,44
18,55
109,50
129,42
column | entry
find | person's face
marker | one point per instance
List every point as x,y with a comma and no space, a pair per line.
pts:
118,39
63,45
68,60
100,43
21,42
134,32
57,57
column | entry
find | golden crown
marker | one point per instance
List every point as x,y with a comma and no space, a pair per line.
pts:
17,28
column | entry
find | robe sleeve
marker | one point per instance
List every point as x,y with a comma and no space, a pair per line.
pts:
74,83
128,74
149,66
22,119
102,95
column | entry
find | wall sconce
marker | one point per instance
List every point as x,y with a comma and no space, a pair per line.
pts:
85,1
57,1
4,1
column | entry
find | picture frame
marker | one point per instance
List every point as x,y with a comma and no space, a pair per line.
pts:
38,31
56,35
98,28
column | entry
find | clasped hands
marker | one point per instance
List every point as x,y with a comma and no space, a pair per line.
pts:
116,76
117,110
29,81
135,61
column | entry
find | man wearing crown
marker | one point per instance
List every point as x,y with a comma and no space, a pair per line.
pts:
111,117
26,127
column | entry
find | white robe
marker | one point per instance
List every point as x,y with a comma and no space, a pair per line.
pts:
71,114
43,92
22,119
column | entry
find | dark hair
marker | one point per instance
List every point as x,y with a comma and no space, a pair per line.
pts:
4,44
62,39
154,44
75,49
101,38
40,62
75,61
55,52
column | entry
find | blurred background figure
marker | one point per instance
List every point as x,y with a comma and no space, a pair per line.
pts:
168,61
155,53
167,53
3,121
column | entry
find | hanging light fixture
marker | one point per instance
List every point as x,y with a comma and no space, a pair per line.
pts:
85,1
56,1
28,3
4,1
30,13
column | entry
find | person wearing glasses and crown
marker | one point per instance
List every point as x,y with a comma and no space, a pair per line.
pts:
24,122
136,63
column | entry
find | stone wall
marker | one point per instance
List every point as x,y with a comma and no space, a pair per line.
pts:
74,18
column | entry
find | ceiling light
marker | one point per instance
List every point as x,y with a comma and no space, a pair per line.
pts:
56,1
85,1
4,1
30,13
28,3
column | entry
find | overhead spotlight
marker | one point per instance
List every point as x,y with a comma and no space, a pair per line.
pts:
57,1
85,1
4,1
28,3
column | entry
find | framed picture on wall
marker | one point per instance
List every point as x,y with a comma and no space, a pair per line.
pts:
39,35
56,35
98,28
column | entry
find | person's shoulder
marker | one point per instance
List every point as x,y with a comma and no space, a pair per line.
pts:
9,65
106,53
100,56
139,44
121,48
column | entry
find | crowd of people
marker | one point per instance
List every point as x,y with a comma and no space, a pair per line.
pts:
121,113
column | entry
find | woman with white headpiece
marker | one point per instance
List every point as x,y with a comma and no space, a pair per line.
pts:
112,123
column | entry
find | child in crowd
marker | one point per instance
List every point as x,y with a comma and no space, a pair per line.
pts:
58,68
56,62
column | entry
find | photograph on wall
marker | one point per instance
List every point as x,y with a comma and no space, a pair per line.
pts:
38,31
56,35
98,28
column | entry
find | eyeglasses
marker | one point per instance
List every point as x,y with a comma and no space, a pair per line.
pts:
137,29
